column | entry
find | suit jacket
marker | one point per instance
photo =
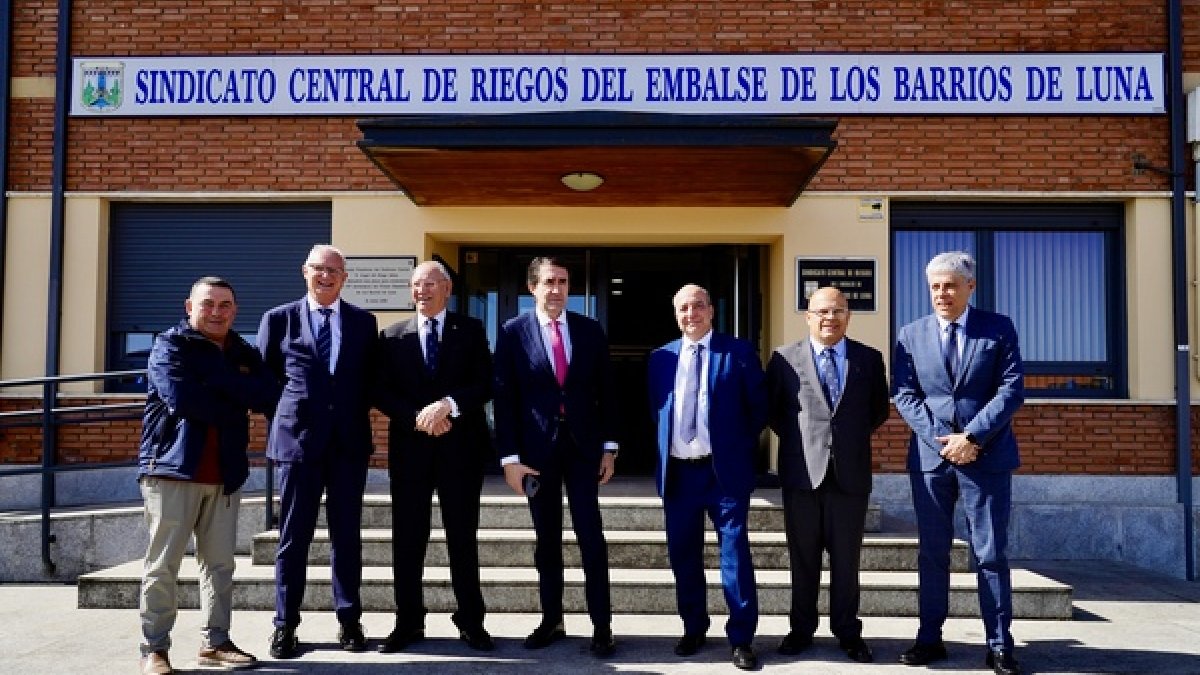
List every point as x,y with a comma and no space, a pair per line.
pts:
464,373
809,432
988,390
737,408
316,407
528,397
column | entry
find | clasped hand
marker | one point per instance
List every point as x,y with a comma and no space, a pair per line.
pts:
956,449
434,419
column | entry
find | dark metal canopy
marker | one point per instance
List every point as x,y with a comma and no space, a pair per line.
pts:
644,159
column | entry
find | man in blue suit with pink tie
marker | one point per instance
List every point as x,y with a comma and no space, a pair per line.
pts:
958,380
708,400
555,412
322,351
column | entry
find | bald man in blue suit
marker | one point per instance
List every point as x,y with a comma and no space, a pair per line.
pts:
958,382
708,435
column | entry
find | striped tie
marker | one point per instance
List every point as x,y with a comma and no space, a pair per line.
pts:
325,336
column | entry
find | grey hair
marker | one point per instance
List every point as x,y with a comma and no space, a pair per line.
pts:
952,262
433,264
319,249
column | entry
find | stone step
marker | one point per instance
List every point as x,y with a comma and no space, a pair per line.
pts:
634,591
510,512
631,549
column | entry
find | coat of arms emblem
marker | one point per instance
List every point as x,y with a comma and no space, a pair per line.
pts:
102,86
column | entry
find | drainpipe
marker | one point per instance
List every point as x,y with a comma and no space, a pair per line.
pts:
1179,286
62,101
6,12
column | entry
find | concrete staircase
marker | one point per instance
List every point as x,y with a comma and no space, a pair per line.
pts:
640,576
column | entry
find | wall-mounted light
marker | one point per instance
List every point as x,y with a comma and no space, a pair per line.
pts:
582,181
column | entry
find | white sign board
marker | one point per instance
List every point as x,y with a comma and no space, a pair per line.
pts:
780,84
380,283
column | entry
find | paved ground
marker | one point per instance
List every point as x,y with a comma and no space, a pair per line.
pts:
1126,621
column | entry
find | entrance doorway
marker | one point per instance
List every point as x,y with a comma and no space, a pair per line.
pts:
629,291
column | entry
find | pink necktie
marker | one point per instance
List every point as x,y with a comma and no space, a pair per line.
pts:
560,353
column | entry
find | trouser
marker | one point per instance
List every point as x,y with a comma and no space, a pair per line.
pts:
175,510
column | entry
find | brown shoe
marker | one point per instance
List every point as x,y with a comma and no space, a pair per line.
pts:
157,663
226,655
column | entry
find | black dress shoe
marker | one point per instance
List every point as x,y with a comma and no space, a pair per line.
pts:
351,638
400,638
689,644
794,643
477,638
603,645
924,653
745,658
545,635
857,650
284,644
1002,662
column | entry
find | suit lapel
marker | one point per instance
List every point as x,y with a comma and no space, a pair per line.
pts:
804,364
537,346
970,344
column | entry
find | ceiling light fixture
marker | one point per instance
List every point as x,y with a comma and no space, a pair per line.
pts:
582,181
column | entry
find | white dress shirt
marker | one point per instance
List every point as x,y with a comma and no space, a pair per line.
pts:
701,445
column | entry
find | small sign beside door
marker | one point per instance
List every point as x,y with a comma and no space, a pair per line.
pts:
855,277
380,283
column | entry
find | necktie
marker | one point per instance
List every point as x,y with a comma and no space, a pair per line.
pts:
324,336
951,355
560,353
691,395
431,345
829,378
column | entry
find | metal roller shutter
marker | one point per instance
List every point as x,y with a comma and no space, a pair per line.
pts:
158,250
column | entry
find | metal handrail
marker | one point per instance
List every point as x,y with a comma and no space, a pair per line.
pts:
49,418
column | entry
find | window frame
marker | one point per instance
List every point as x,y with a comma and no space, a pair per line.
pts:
983,220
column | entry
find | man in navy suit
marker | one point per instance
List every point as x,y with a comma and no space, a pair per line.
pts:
435,379
827,393
958,381
708,401
555,415
322,351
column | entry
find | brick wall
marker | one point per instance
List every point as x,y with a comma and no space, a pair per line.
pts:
875,153
1055,438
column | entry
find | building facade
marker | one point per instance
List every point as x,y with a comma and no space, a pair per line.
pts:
759,149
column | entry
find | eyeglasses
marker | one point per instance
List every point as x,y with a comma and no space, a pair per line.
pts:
325,269
838,313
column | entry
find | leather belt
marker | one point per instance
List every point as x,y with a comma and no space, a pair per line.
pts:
702,459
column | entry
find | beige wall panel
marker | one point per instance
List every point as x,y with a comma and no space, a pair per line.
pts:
85,291
1148,279
829,227
27,254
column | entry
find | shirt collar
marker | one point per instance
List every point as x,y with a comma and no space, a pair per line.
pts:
440,317
839,347
544,318
313,306
961,320
706,341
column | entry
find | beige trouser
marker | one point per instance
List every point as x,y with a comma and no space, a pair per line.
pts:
175,510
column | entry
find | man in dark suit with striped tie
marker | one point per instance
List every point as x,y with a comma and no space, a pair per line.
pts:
435,379
321,350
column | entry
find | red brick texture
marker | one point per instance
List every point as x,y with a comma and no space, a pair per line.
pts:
881,154
1055,438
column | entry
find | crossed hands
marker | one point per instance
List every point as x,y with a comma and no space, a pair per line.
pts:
434,419
956,449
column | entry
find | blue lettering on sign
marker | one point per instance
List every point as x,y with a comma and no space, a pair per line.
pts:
1043,84
798,84
346,85
605,84
858,84
204,86
1113,83
953,83
692,84
523,85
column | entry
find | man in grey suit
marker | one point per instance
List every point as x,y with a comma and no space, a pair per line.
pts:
826,395
958,381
